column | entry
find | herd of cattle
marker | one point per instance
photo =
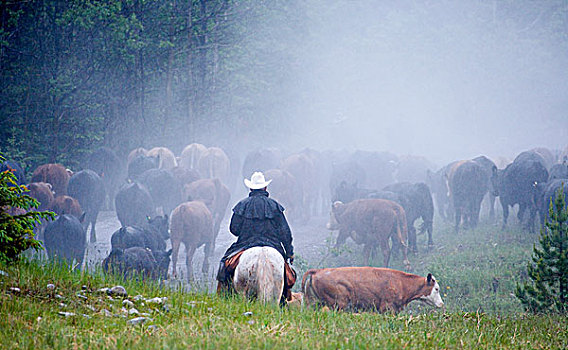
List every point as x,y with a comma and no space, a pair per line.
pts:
375,197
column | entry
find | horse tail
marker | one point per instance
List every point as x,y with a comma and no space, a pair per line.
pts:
266,288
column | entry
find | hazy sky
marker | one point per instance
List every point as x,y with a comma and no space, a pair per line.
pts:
444,79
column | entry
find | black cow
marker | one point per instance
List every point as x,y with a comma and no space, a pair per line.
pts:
134,204
518,184
378,167
88,188
549,195
163,187
491,172
261,160
16,169
152,235
140,164
348,192
416,200
110,168
468,183
558,171
138,260
533,156
438,184
65,237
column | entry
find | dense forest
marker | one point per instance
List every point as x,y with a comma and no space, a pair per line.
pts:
130,73
78,74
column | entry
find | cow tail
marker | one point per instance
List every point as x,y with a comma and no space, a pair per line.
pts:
308,287
402,231
401,228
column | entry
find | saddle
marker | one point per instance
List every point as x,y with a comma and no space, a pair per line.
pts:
289,273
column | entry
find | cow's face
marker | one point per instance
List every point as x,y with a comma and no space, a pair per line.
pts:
434,298
336,209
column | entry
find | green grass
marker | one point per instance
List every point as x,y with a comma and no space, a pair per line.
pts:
477,314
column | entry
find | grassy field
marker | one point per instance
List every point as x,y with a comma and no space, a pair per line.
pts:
478,271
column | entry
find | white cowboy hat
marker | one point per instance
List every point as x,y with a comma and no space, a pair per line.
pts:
257,181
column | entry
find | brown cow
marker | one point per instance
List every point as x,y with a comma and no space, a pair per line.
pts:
185,176
167,159
368,288
55,174
189,157
371,222
215,163
302,168
213,194
140,151
43,193
192,224
66,205
286,191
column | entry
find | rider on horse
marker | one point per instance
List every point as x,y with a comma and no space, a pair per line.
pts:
257,221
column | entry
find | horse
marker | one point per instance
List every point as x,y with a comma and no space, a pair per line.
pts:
260,274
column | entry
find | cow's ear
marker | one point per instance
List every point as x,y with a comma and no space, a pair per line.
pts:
430,279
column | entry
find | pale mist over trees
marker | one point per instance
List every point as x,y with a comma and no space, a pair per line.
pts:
443,79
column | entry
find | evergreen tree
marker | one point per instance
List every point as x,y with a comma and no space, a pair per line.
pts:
548,270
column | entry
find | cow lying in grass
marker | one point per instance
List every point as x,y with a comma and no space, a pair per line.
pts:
368,288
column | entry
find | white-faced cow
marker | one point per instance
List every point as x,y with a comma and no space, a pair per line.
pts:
368,288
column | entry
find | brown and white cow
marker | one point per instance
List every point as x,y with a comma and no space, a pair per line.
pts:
371,222
368,288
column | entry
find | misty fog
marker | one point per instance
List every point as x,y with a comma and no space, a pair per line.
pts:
443,79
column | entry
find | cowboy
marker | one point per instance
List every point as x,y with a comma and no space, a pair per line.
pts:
257,221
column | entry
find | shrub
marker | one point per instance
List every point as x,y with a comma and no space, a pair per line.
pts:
17,218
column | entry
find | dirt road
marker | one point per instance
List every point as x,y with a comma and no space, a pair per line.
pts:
309,244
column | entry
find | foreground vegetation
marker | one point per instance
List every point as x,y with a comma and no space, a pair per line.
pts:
478,271
35,317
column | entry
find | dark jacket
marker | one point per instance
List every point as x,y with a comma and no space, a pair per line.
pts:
259,221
